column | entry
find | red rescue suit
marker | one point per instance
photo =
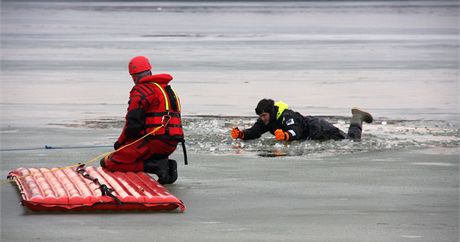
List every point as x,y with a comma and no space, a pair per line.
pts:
152,103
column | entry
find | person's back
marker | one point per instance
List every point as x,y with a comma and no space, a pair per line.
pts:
151,101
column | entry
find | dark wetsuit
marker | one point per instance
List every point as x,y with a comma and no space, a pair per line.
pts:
301,127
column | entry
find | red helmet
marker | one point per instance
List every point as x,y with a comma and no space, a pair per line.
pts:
139,64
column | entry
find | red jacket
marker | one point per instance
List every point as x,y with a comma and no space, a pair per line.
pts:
152,102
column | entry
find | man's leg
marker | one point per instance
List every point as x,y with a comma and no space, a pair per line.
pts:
354,132
356,123
150,156
127,159
321,129
159,164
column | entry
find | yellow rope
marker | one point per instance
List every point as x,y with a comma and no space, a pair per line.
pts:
5,181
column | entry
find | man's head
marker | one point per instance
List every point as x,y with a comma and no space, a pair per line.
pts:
139,67
265,109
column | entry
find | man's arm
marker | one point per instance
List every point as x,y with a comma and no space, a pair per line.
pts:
135,117
255,131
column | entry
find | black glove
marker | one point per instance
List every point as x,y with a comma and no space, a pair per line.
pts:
116,145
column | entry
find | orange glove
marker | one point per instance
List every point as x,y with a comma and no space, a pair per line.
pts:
236,133
281,135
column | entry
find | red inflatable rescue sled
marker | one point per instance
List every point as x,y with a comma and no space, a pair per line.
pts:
91,188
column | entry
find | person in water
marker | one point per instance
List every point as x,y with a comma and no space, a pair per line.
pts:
289,125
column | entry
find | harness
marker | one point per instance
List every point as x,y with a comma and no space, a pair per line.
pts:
169,113
168,119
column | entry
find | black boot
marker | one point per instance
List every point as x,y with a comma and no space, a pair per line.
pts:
172,171
158,167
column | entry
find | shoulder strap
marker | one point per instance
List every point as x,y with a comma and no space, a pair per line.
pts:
164,94
171,99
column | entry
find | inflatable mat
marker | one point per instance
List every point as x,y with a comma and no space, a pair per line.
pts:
91,188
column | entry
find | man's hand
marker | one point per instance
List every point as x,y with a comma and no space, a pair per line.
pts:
236,133
117,145
281,135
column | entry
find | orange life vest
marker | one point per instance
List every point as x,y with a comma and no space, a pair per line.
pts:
167,113
165,110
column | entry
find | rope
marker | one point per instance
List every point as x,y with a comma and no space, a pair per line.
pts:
48,147
10,180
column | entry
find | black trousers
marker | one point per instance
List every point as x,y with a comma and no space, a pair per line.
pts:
320,129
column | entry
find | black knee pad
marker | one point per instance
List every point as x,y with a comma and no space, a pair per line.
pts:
102,162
